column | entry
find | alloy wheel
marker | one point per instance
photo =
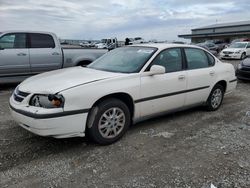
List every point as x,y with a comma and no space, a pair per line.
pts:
111,122
216,98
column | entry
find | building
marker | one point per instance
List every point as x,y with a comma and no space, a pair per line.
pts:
226,32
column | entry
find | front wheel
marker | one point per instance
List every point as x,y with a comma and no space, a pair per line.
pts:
215,98
110,123
243,56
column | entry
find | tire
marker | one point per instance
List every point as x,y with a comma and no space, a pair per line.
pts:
110,121
215,98
243,56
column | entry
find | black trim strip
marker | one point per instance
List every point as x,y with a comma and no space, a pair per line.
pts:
232,80
169,94
47,116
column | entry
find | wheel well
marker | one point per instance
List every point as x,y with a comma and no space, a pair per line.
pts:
223,83
124,97
85,62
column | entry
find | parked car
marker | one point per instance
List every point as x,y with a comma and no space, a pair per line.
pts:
209,45
25,53
237,50
220,43
136,40
124,86
243,70
240,40
85,44
110,43
203,45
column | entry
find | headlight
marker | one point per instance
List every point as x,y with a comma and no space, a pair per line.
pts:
47,101
237,52
239,66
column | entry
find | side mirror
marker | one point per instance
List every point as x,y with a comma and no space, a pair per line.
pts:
157,69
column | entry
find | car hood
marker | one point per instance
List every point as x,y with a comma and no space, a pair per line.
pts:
233,49
56,81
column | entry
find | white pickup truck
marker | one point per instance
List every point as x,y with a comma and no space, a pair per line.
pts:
26,53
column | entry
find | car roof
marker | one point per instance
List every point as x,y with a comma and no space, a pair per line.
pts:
242,42
162,46
26,31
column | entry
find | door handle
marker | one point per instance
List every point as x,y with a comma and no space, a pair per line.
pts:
55,53
211,73
21,54
181,77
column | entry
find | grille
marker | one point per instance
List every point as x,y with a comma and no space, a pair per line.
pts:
246,68
20,95
244,74
226,52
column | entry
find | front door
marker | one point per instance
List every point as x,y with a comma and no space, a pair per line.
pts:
14,56
164,92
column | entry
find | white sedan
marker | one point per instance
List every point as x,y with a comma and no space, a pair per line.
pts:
237,50
124,86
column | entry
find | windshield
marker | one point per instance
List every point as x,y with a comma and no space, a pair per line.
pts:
124,60
238,45
103,40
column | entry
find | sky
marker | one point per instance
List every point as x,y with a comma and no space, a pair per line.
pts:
97,19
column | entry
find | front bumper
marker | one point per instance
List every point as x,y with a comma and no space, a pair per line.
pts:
54,124
230,56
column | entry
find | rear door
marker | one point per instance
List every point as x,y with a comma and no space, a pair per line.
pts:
201,75
44,54
14,55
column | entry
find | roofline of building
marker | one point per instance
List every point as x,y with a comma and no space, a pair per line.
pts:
214,34
216,27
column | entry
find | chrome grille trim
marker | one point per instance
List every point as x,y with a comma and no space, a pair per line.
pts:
19,96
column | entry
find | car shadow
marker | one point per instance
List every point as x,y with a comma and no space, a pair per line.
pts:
25,147
37,147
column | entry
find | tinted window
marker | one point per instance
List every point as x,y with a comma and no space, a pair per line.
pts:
211,59
17,40
41,41
171,59
196,58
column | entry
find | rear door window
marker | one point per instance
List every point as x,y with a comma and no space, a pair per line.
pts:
196,58
38,40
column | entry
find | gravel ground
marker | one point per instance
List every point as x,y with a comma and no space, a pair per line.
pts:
193,148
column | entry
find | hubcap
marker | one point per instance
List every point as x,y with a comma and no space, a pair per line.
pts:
112,122
216,98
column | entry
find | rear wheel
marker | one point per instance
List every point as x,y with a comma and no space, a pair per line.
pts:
215,98
110,123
